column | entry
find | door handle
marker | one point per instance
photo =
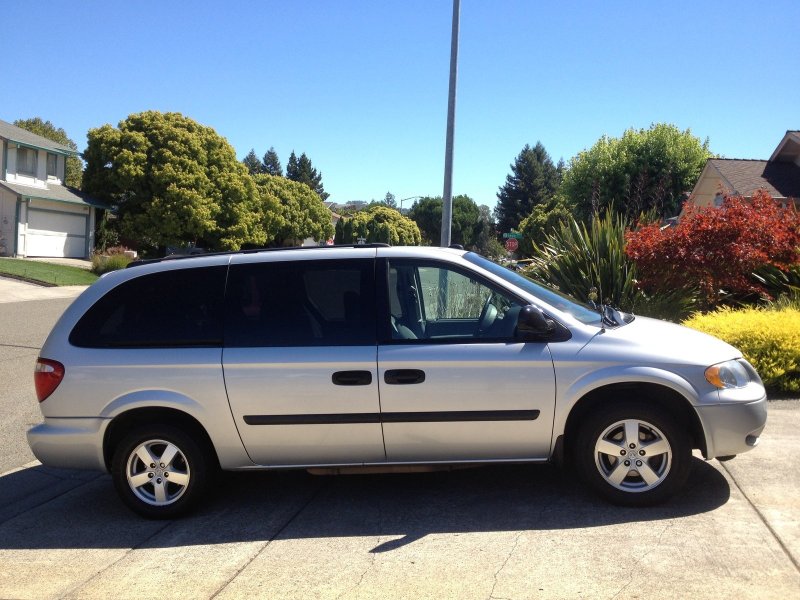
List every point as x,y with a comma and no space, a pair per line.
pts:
351,378
404,376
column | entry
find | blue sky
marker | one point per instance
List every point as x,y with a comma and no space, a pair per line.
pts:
361,86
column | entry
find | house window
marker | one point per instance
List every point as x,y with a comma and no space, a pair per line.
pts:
26,161
52,162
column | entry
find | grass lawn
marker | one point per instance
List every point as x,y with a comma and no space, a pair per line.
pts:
45,272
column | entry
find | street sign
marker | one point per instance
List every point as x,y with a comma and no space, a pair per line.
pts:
512,244
513,235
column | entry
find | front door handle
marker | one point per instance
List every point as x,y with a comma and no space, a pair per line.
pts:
351,378
404,376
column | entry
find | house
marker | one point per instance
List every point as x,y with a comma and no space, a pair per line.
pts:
39,215
779,175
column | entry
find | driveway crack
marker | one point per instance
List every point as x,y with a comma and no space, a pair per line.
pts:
266,544
503,566
77,586
763,519
641,559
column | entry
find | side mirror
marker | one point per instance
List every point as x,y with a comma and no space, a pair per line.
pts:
533,325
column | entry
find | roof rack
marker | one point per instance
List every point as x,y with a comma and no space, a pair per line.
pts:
150,261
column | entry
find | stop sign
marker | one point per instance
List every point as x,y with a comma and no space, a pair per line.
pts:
512,244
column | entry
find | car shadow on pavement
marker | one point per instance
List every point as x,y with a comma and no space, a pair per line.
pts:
52,508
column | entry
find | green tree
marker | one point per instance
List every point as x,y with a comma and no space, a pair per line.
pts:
466,226
254,166
301,169
302,213
545,218
486,241
533,180
74,167
378,224
644,170
390,200
174,181
272,164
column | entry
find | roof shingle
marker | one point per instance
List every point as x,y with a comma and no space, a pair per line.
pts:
781,180
25,137
59,193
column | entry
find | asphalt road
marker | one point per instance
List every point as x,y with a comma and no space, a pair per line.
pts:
495,532
23,329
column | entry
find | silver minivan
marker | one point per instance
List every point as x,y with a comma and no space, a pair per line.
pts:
373,355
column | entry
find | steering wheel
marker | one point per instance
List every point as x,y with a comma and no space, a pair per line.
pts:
488,316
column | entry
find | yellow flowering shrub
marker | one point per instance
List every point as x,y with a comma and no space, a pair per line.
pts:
768,338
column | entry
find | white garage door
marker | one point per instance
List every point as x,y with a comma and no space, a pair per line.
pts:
55,234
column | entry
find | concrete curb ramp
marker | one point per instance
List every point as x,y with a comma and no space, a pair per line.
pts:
13,290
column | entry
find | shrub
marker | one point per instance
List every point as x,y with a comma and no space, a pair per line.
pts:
102,263
378,224
585,261
718,249
768,337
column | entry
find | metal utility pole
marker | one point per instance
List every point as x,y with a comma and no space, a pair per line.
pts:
447,197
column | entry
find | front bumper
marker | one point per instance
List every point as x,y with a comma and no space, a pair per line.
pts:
732,428
71,443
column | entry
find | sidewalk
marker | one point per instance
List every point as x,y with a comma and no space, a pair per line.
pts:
13,290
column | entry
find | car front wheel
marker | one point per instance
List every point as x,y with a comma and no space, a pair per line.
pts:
633,455
159,471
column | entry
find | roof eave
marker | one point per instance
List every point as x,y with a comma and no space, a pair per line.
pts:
61,151
789,136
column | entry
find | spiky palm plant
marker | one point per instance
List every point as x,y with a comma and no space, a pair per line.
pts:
590,264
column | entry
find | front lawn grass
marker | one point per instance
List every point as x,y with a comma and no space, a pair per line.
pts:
46,273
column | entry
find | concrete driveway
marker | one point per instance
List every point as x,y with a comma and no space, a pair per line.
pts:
495,532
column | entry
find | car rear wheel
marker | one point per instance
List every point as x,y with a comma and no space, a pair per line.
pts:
159,471
633,455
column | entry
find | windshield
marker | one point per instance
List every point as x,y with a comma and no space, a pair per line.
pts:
556,299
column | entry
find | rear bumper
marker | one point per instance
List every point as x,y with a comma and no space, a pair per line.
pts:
732,428
70,443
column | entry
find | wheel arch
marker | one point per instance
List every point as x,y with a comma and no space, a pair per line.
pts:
128,420
663,396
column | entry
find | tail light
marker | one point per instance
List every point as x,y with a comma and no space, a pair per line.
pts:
46,377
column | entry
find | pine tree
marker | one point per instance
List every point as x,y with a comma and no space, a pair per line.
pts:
292,171
389,200
272,165
252,163
533,180
303,171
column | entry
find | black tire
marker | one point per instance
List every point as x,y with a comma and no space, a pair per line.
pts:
623,431
147,488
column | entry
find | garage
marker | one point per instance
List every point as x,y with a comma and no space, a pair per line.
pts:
52,233
56,222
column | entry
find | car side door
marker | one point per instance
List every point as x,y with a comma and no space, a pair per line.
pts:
300,359
455,382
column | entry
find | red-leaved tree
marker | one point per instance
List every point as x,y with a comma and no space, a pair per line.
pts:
716,249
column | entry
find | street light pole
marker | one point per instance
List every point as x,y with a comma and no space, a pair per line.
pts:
447,203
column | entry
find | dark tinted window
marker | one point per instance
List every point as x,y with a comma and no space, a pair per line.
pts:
301,303
170,309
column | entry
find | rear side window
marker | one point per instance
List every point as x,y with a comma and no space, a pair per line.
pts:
171,309
301,303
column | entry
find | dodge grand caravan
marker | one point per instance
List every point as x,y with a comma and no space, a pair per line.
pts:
375,356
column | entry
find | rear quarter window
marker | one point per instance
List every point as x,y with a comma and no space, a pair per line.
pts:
170,309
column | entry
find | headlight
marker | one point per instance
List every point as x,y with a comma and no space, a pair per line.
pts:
731,374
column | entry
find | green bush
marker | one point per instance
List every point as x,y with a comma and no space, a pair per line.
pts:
103,264
768,337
